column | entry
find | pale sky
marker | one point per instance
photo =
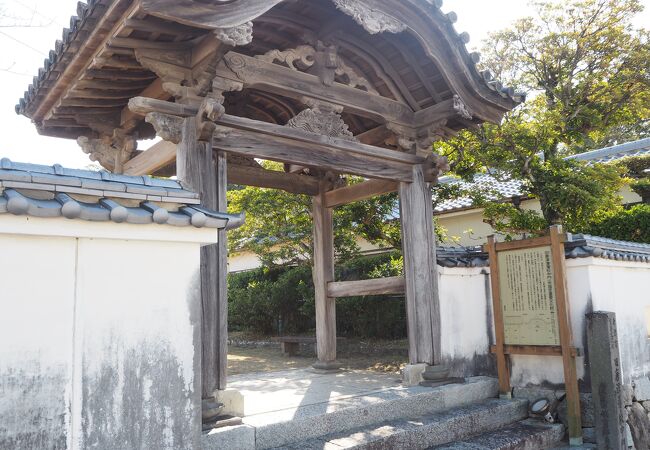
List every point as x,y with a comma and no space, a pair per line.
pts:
23,49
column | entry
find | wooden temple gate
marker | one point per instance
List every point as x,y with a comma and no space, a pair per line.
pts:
328,87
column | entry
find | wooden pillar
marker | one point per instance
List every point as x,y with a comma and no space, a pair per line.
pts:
418,248
221,321
201,171
323,273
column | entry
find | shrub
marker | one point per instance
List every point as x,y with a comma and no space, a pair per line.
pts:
635,166
271,301
281,300
625,224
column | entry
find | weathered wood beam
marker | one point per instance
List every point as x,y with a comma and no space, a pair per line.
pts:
62,111
289,182
67,123
150,161
158,27
108,85
294,146
298,135
420,268
323,274
141,43
105,95
221,314
554,350
142,105
379,286
315,154
198,170
358,192
278,79
376,136
129,119
122,75
115,63
163,153
440,111
383,67
89,103
111,50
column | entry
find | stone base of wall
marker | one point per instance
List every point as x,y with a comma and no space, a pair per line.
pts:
637,411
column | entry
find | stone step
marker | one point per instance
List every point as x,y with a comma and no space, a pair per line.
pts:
525,435
319,420
426,431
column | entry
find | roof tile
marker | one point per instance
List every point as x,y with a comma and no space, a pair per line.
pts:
107,190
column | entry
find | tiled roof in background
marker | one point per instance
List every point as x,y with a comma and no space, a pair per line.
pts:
488,183
55,191
609,154
506,189
578,246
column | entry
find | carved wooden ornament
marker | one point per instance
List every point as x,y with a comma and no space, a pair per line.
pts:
322,118
372,20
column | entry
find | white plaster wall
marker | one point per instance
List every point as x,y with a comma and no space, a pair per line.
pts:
99,337
466,320
593,284
597,284
624,288
137,312
36,329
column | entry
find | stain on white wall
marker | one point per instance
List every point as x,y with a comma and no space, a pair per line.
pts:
99,339
466,321
36,335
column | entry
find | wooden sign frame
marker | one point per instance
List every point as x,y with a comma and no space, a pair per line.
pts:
555,239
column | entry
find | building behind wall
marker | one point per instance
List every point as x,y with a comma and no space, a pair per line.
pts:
463,221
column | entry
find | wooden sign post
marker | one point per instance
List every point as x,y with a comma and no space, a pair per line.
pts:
531,311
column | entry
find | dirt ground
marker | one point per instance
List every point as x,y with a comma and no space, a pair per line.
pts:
380,356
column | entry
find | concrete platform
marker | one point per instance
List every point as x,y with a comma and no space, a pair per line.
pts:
284,393
282,408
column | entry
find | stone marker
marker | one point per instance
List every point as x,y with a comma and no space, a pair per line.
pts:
604,364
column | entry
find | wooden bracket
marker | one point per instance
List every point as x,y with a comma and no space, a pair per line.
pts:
112,152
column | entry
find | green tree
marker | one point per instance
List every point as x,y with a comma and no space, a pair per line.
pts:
587,72
278,226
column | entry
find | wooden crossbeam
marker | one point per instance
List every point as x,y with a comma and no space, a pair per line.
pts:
289,182
442,110
375,136
312,153
295,146
358,192
163,153
269,77
150,161
377,286
535,350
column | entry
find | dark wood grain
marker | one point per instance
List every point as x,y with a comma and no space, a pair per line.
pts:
419,250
